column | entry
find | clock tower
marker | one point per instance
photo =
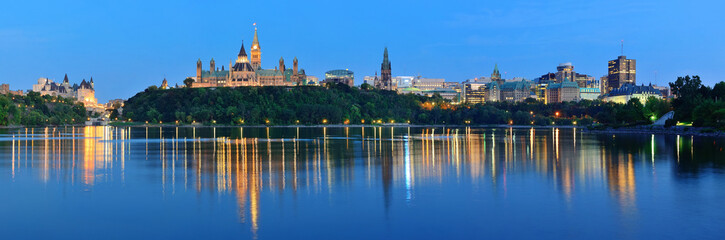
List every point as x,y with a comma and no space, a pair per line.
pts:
256,57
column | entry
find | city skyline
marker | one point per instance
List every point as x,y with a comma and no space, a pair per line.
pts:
126,47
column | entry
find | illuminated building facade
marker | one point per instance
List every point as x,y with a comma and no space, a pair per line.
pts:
515,91
342,76
84,93
630,91
621,71
562,92
244,72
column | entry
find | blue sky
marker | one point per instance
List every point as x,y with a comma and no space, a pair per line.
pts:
128,45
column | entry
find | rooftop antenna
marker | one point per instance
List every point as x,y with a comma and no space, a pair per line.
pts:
622,47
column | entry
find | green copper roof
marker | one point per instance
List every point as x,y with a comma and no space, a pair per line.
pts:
208,74
386,61
565,84
268,72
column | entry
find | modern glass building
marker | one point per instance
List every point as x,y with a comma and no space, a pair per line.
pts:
343,76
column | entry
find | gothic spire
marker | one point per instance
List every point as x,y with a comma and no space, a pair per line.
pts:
255,41
65,79
386,61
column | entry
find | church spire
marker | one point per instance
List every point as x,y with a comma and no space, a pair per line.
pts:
386,61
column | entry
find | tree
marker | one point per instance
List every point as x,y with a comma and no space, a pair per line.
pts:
688,92
188,82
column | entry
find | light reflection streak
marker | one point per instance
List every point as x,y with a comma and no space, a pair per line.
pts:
245,169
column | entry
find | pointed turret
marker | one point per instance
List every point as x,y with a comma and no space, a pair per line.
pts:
65,79
242,52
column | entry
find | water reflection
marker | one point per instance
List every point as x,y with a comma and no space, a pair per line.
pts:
249,162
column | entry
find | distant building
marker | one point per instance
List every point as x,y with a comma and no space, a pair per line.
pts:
631,91
566,91
621,71
370,80
445,93
565,72
496,75
342,76
5,89
474,92
244,72
312,80
84,92
403,81
386,79
590,93
515,91
493,92
164,84
665,90
427,84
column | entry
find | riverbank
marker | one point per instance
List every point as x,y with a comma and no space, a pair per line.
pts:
659,130
400,125
648,129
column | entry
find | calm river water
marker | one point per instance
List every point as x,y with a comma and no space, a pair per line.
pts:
358,183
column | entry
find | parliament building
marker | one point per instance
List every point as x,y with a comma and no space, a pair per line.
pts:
244,72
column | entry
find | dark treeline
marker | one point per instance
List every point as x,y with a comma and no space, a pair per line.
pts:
36,110
338,104
698,104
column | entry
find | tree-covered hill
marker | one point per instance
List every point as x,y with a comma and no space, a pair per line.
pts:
272,105
35,110
341,104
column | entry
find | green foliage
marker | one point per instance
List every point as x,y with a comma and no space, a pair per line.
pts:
697,103
188,82
338,103
36,110
656,108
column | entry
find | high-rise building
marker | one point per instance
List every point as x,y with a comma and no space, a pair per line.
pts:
386,77
565,73
621,71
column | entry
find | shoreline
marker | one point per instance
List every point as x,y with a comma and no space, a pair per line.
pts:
648,129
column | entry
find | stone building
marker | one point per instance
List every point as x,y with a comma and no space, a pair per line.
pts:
5,89
515,91
84,92
631,91
562,92
386,78
244,72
